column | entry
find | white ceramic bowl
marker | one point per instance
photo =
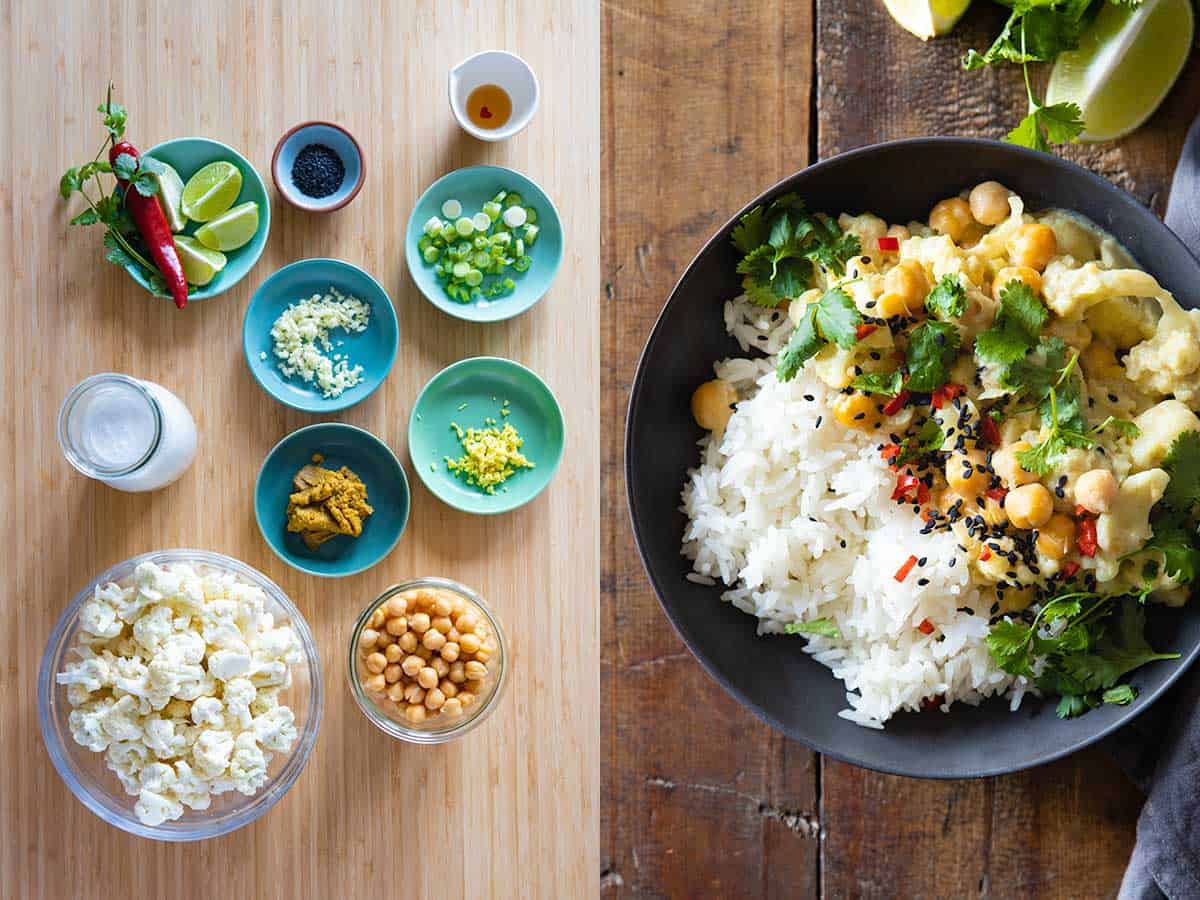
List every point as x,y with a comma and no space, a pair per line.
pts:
506,70
85,771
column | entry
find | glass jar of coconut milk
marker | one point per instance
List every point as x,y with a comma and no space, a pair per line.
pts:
131,434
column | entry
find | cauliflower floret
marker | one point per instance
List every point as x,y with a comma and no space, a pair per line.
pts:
208,711
91,674
154,808
87,724
161,737
1126,527
248,768
99,617
276,728
228,664
185,647
153,628
239,694
211,752
191,789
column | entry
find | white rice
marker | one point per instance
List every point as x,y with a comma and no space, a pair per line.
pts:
769,509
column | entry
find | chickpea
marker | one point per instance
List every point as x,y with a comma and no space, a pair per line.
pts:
424,652
427,678
442,606
393,653
889,305
466,698
967,473
1005,465
414,693
367,638
441,624
376,663
396,626
712,404
395,692
467,622
475,671
473,687
1029,506
449,651
1033,246
377,619
1008,274
989,203
392,674
397,606
376,684
434,699
407,642
452,635
1055,538
448,687
440,666
419,622
433,640
952,217
1096,490
458,673
452,707
384,640
415,714
412,665
469,643
857,410
907,281
483,654
1100,361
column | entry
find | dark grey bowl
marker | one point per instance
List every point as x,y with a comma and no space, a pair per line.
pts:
771,676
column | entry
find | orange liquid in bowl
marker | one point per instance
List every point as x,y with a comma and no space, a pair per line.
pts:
489,106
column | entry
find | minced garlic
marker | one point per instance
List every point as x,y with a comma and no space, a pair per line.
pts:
301,340
491,455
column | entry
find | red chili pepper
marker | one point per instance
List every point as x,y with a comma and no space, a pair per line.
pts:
907,486
889,244
1086,537
989,430
152,223
926,627
896,404
922,492
902,572
1069,569
945,393
997,493
890,451
864,329
985,554
1082,512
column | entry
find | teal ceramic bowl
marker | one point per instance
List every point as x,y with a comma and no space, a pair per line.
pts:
187,156
365,455
467,393
374,349
472,187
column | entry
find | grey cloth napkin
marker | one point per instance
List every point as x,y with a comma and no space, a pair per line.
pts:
1161,750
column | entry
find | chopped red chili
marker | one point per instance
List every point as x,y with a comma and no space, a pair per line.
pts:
889,244
1086,537
928,703
890,451
864,329
1069,569
908,487
989,430
902,572
896,404
926,627
1082,512
922,492
997,493
985,554
943,395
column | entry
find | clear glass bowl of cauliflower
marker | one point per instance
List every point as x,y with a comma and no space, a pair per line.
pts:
180,695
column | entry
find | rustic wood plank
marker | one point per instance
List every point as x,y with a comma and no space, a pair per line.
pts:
510,811
1063,830
705,103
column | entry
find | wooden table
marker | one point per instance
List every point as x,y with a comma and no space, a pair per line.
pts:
511,810
706,104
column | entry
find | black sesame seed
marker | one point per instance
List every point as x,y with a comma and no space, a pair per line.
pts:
818,425
809,397
921,582
858,417
318,171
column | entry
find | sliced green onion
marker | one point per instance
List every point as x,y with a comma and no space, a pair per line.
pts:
465,227
530,215
431,254
513,199
474,278
531,233
522,263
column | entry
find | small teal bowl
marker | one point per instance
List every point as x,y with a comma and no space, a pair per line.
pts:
187,156
472,187
337,139
466,393
373,349
365,455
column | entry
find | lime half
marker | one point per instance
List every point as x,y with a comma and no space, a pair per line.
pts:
230,230
927,18
170,195
200,264
1126,63
211,191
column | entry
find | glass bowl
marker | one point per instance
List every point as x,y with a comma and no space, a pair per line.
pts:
85,771
386,715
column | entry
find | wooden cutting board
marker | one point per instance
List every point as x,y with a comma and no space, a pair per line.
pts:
512,809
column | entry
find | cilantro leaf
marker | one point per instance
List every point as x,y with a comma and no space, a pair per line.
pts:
801,347
1181,560
750,232
886,383
838,318
1182,463
125,167
1070,706
1016,327
1061,123
1008,642
69,183
823,627
1122,695
948,299
87,217
932,347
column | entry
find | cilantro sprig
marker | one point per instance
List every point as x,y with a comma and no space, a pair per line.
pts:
887,384
1082,661
1173,522
932,348
948,299
781,246
832,319
1015,330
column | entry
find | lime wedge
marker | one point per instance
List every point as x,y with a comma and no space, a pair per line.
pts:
199,263
230,230
1126,62
211,191
927,18
170,193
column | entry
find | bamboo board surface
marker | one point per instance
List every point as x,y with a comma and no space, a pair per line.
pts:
512,809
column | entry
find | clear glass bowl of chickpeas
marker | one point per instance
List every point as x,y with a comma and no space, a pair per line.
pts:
428,661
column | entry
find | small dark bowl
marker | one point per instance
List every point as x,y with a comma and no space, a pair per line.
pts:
337,139
771,676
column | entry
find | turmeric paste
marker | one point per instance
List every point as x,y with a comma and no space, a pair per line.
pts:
326,503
